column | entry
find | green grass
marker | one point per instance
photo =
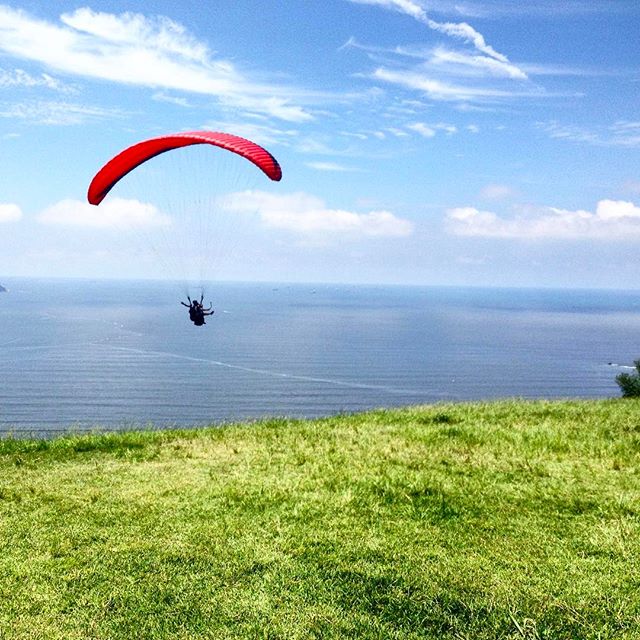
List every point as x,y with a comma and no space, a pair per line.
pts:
480,521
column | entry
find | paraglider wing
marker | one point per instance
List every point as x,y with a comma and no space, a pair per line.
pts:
135,155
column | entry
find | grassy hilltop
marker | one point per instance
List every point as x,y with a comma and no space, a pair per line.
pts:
481,521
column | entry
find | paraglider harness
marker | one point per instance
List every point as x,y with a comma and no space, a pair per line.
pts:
197,312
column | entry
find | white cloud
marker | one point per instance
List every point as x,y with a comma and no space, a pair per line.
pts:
20,78
133,49
398,133
626,134
459,30
612,220
315,146
161,33
540,8
273,106
617,210
261,133
420,79
466,32
620,134
475,73
329,166
443,59
10,213
560,70
404,6
461,62
159,96
424,130
354,134
57,113
116,213
430,130
569,132
308,215
449,129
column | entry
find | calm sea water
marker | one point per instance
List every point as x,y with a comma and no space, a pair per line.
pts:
81,354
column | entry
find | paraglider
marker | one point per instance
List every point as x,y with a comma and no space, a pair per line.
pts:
132,157
197,312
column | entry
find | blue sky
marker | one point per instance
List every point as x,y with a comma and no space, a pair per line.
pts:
480,142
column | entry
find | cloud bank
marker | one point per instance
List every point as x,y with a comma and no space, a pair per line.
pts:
133,49
10,213
612,220
307,215
473,72
113,213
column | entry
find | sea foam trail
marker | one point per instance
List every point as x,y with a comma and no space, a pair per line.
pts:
267,372
4,344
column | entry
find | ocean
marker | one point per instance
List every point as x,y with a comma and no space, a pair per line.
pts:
79,355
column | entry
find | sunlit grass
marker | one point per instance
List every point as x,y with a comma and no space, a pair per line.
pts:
498,520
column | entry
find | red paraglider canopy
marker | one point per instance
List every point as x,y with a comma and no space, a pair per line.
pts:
135,155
